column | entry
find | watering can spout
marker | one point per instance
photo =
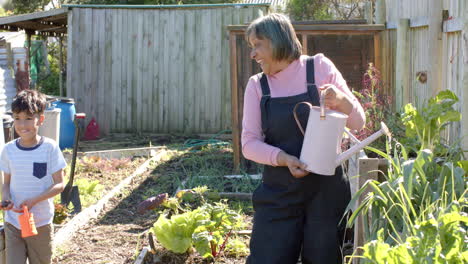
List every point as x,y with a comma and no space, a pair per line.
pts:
362,144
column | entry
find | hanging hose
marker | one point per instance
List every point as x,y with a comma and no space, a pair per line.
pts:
194,143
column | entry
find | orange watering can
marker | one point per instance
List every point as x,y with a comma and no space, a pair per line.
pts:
28,226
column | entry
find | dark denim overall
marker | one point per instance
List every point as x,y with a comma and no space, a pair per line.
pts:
295,215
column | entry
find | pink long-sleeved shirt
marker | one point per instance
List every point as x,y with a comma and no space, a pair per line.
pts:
288,82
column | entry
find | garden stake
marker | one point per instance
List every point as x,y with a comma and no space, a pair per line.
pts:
71,193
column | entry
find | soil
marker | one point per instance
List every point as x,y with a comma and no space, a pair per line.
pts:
119,234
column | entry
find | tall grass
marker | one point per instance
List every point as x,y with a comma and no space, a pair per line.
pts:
416,190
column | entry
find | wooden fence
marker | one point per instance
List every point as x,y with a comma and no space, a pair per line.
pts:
160,70
426,39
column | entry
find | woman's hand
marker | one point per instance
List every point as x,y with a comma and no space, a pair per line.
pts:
296,167
336,99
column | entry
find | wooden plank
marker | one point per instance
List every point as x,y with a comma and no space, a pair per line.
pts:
380,12
367,168
115,58
377,51
70,52
435,47
216,85
87,105
235,103
156,72
453,25
226,85
402,63
138,73
179,88
304,43
190,70
419,22
129,65
204,73
166,60
145,78
150,31
124,46
103,74
172,89
392,25
464,81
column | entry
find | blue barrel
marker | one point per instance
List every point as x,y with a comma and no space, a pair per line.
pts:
67,127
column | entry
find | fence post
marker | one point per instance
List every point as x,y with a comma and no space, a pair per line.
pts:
402,64
435,47
367,168
464,100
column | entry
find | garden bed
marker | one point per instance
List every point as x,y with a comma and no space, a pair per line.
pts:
119,234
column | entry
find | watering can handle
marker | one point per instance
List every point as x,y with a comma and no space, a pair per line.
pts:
295,115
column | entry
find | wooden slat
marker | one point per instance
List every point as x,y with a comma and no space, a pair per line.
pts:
402,63
156,73
102,75
234,102
177,93
70,53
435,46
129,65
419,22
164,82
453,25
150,31
137,103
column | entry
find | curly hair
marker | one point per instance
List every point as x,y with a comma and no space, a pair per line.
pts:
30,101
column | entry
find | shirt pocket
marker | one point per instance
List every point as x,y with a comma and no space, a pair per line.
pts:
39,169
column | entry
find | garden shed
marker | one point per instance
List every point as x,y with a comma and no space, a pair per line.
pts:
157,69
351,45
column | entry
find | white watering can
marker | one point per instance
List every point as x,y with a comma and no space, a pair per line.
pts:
321,149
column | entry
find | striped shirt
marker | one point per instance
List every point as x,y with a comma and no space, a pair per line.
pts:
31,172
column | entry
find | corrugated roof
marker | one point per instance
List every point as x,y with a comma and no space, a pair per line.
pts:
273,3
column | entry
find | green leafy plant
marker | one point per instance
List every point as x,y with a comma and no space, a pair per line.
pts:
423,126
207,229
414,190
435,240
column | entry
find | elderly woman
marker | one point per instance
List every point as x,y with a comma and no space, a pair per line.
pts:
295,211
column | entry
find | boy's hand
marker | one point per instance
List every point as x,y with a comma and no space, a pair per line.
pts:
7,205
29,203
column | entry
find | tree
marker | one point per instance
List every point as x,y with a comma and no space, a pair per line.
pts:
325,9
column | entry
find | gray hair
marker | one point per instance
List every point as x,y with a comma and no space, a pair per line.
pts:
278,29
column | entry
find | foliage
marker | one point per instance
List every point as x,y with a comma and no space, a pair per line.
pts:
25,6
60,213
377,108
48,81
415,190
424,126
206,228
325,9
244,184
435,240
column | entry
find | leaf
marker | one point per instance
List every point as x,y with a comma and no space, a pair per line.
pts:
201,242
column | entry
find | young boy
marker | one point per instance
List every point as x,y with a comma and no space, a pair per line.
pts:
33,174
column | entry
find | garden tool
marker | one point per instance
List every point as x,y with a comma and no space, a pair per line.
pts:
71,193
26,221
321,149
